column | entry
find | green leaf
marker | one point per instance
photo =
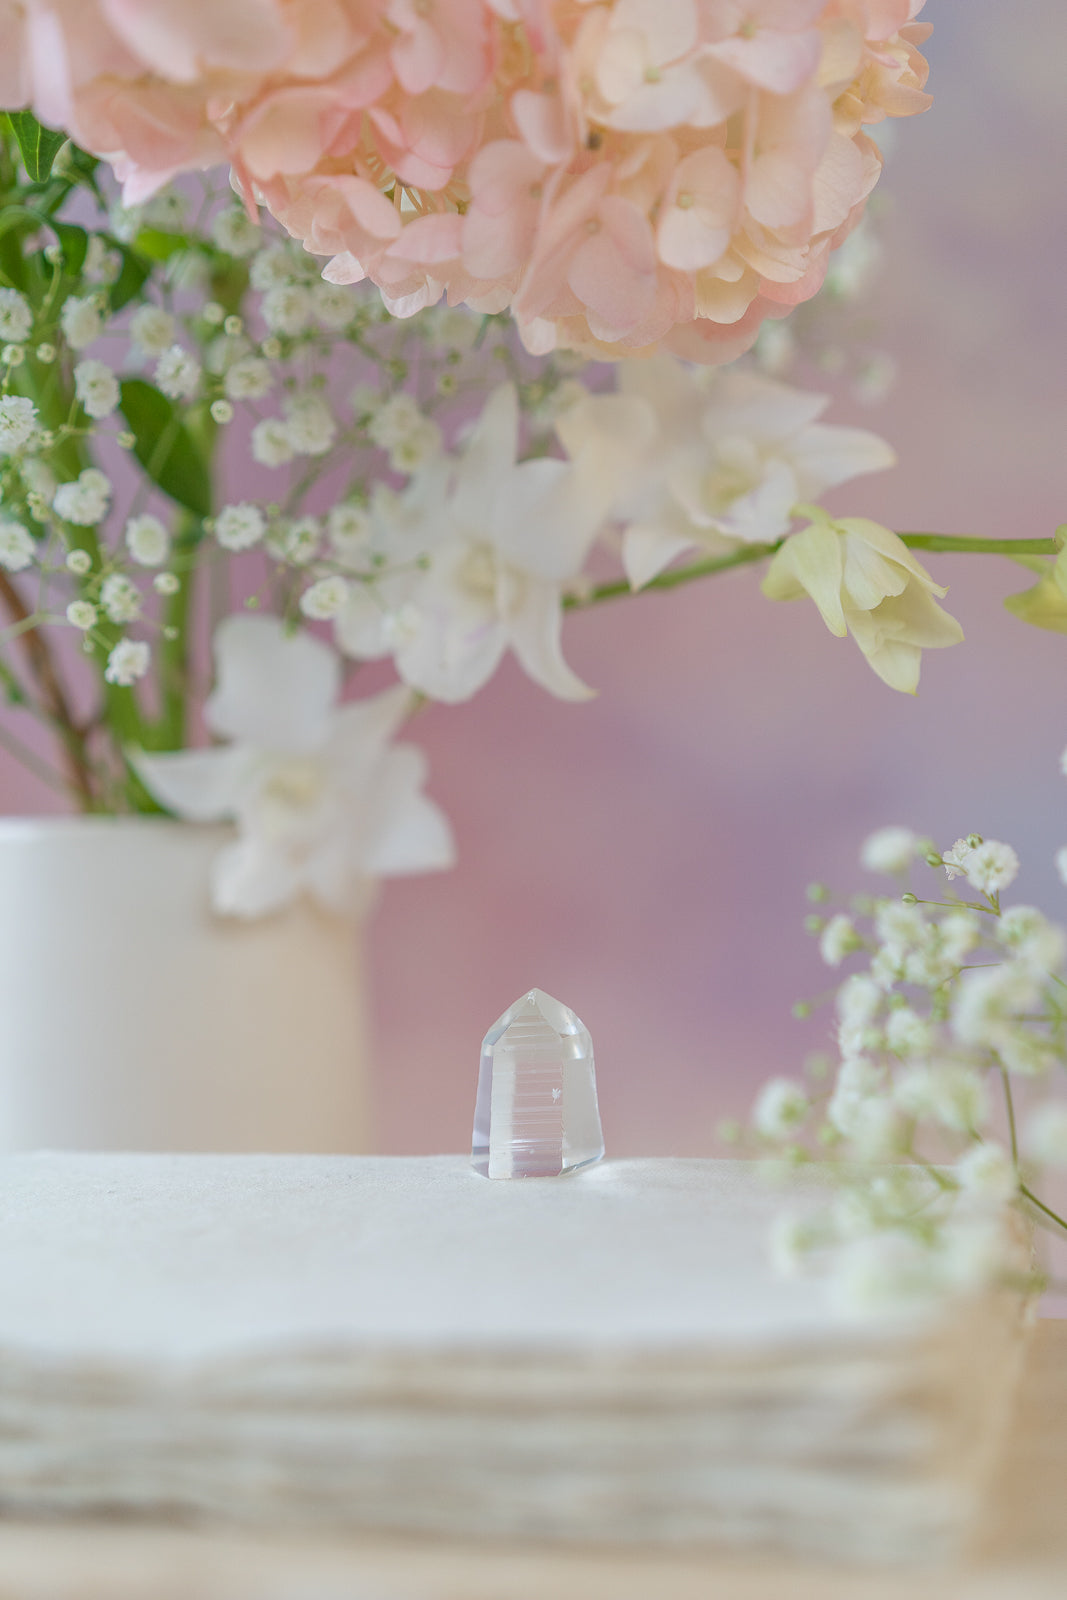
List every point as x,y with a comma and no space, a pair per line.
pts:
39,145
74,242
164,446
131,279
15,218
158,245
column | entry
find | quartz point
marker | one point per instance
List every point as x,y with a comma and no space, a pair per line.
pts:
536,1114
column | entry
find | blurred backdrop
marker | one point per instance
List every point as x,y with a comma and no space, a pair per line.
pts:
644,858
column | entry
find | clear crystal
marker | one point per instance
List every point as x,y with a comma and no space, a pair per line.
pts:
536,1115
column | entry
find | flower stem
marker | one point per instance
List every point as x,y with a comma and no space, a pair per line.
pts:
1041,1206
1009,1102
747,554
968,544
53,696
674,577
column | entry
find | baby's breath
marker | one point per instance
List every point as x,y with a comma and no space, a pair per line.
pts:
952,1010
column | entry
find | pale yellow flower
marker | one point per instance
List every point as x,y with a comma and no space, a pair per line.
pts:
865,581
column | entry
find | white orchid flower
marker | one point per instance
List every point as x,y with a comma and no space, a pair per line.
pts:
729,455
387,564
323,802
865,581
510,537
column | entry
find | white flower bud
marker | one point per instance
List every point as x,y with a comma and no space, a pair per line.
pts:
85,501
97,387
324,599
79,562
248,379
422,445
991,867
901,927
102,264
859,1000
951,1093
152,330
177,373
395,421
1035,941
287,309
350,530
839,939
908,1034
147,540
17,546
988,1001
781,1107
16,316
333,306
120,598
271,446
889,850
987,1172
239,527
234,232
81,322
80,614
18,423
296,542
128,662
310,424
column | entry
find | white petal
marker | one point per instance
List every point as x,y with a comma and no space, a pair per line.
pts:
274,690
489,452
361,627
663,383
824,455
648,549
890,545
457,639
608,439
764,513
545,516
746,402
534,630
810,562
868,576
361,733
405,831
249,879
335,880
198,785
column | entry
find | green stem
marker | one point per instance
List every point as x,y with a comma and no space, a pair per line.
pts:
170,732
674,577
46,674
966,543
1008,1101
1041,1206
746,555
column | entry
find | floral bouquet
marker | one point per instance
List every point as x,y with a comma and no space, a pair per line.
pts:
460,350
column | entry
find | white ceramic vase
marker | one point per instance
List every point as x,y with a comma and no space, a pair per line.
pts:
134,1018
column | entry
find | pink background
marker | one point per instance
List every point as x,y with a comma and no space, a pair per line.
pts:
644,858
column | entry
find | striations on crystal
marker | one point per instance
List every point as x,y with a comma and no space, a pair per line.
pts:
536,1115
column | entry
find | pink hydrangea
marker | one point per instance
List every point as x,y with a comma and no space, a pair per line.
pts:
624,174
